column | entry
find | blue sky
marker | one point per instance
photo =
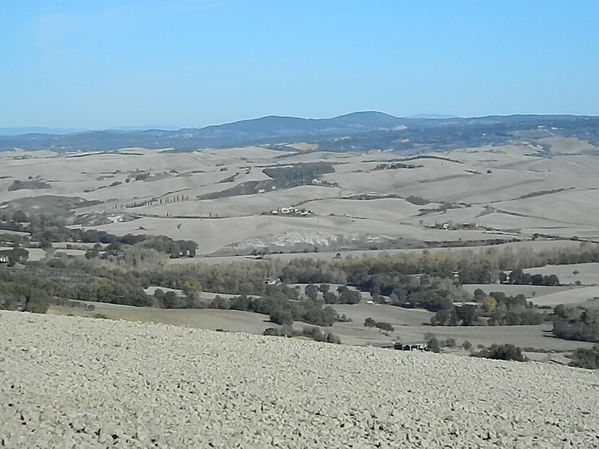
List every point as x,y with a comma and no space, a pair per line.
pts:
100,64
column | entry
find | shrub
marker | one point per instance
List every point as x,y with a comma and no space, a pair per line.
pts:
501,352
281,316
432,343
330,298
467,345
417,200
313,333
384,326
450,343
586,358
344,318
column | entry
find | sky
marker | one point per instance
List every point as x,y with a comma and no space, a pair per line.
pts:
111,63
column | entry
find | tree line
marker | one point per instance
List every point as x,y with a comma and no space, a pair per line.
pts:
494,309
576,323
47,230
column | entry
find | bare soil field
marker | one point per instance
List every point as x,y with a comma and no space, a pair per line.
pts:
75,382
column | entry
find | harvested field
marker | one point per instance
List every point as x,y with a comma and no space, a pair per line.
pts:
585,273
397,316
138,385
411,325
537,336
330,255
504,190
213,319
529,291
568,297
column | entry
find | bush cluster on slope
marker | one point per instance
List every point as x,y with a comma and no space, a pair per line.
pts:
313,333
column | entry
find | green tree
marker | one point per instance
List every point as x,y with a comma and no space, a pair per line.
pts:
281,316
311,292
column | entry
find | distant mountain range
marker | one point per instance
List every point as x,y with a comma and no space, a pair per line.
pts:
37,130
357,131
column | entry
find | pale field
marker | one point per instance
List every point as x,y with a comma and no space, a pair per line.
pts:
501,185
567,145
586,273
529,291
385,209
214,234
35,254
544,296
577,296
397,316
206,296
251,204
330,255
213,319
572,207
6,231
365,180
462,177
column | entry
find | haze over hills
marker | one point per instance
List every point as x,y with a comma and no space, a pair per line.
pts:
358,131
18,131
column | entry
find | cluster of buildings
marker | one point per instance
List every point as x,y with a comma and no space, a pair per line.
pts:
322,182
296,211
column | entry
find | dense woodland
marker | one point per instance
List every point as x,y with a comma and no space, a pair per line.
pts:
298,174
493,309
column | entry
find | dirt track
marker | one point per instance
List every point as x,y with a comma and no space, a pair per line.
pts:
85,383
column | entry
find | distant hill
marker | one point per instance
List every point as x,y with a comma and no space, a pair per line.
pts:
357,131
36,129
270,129
437,116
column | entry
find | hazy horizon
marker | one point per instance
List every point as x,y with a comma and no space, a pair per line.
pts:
45,129
196,63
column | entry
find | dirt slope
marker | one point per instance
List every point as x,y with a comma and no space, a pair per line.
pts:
71,383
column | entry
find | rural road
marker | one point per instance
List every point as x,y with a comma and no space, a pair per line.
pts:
68,382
